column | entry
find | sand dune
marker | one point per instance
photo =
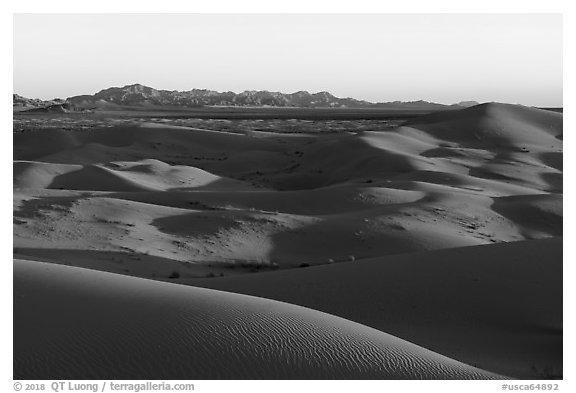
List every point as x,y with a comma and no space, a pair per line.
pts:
115,327
213,231
327,221
503,136
152,140
493,125
278,201
31,174
335,199
538,216
498,307
144,175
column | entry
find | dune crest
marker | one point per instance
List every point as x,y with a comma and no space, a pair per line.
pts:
191,333
511,332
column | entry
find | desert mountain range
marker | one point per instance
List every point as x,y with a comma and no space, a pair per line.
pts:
139,95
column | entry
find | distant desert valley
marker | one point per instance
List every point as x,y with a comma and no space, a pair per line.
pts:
204,235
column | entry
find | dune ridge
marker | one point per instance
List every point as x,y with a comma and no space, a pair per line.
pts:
161,331
506,316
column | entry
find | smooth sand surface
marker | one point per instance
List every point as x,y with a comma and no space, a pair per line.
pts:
72,323
498,307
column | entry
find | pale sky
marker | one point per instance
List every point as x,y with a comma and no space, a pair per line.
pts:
443,58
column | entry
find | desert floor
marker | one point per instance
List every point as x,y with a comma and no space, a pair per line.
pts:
163,248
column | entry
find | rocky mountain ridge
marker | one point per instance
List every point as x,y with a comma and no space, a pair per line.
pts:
140,95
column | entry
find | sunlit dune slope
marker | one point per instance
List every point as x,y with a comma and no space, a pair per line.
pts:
196,202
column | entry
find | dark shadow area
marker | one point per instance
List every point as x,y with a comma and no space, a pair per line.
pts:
342,159
94,178
129,263
498,307
524,211
553,159
555,181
